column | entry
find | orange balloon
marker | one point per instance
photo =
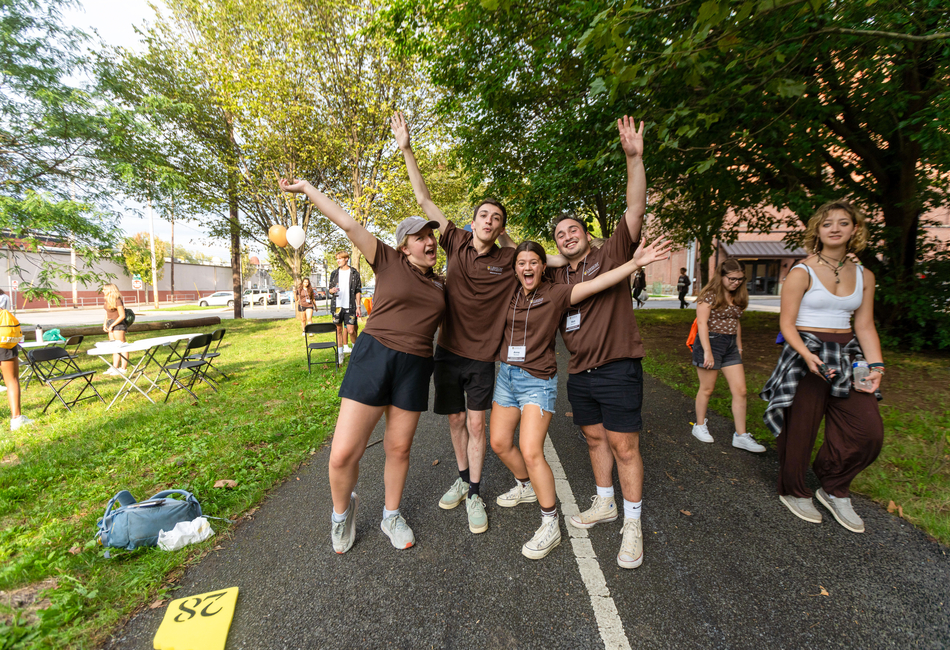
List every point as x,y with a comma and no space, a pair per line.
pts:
278,235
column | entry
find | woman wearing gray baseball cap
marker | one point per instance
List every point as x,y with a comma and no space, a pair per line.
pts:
389,367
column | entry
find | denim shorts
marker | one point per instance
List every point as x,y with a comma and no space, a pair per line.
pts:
516,387
725,351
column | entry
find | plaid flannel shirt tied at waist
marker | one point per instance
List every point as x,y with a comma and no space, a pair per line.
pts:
780,389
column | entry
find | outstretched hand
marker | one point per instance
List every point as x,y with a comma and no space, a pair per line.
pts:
297,186
400,130
631,138
658,250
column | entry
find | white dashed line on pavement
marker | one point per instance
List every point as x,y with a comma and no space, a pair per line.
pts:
605,610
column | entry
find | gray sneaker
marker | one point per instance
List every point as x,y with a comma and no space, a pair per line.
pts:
545,539
343,533
631,546
520,493
841,509
398,531
601,511
801,507
477,519
455,495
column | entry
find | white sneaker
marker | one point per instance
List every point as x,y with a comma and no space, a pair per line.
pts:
339,356
20,421
701,431
121,371
3,389
601,511
631,547
545,539
110,371
347,349
520,493
747,442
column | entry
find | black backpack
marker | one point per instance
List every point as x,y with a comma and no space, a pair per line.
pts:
129,316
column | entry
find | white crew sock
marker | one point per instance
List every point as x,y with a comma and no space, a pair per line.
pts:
389,513
631,510
604,492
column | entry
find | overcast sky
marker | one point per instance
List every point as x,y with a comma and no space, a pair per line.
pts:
115,21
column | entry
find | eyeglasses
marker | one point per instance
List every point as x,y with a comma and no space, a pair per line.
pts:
739,279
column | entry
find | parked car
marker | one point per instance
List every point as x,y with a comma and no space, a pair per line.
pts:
286,296
322,292
217,299
257,296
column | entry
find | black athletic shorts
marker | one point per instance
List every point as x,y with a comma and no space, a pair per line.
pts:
725,351
611,395
303,308
379,376
455,377
121,327
9,354
343,316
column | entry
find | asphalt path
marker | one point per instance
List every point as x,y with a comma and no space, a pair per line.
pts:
726,565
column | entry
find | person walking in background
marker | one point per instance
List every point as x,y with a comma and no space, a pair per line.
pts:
526,387
115,326
390,366
718,346
346,287
640,287
306,299
682,287
345,302
828,369
10,370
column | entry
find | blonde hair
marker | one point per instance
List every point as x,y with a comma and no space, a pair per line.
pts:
859,238
717,288
113,297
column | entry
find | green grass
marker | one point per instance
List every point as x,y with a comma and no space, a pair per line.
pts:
256,430
913,469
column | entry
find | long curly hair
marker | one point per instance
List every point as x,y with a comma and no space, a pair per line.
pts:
112,295
717,288
859,238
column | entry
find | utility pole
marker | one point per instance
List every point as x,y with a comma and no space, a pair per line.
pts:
151,239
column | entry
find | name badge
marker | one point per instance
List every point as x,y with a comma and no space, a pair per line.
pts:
573,322
516,352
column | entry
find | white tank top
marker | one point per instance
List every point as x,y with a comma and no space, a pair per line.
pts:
823,309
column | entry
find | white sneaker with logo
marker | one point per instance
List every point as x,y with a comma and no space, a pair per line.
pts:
701,431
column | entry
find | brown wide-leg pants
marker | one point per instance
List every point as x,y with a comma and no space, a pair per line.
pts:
854,434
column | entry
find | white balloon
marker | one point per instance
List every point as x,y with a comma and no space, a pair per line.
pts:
295,236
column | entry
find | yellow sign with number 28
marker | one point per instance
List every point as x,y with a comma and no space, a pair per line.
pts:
197,622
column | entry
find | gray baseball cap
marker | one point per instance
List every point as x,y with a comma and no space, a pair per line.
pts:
412,225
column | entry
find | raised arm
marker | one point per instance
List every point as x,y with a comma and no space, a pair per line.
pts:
419,188
644,255
360,236
631,139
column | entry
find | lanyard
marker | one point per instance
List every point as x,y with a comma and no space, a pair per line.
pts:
574,320
514,315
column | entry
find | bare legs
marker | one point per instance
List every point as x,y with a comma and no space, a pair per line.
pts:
529,459
354,426
605,447
735,377
11,379
468,441
118,360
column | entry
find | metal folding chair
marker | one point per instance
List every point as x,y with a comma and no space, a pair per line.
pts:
73,342
320,328
49,364
216,337
194,363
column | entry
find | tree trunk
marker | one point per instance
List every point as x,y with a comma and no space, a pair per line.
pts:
172,278
235,246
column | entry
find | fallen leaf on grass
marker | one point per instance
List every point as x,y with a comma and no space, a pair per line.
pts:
225,483
156,604
75,550
900,512
823,592
687,513
891,506
435,462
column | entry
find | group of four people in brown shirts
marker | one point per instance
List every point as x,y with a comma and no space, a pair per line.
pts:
597,323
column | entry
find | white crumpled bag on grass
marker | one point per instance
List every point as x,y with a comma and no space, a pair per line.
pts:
185,533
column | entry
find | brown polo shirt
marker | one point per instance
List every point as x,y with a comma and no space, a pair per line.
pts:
608,329
532,321
408,304
477,285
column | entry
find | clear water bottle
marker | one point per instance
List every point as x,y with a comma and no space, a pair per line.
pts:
39,334
859,373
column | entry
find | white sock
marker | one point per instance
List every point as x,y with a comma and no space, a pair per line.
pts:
389,513
339,518
631,510
604,492
339,349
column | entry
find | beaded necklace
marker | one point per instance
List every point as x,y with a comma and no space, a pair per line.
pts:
835,269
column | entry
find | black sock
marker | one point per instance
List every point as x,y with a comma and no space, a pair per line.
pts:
464,474
473,489
523,480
